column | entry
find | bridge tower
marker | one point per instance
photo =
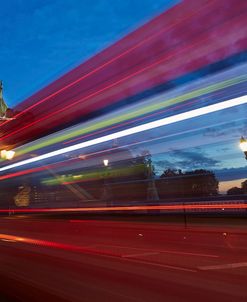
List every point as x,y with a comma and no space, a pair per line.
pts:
3,106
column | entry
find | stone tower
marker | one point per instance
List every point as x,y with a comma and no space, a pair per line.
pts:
3,106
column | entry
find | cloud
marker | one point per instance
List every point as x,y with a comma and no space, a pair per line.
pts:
163,164
231,173
185,160
189,160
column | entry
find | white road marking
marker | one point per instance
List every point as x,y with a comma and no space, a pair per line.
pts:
223,266
161,265
140,254
161,251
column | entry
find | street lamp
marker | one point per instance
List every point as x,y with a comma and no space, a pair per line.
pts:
243,146
3,154
7,154
10,154
106,162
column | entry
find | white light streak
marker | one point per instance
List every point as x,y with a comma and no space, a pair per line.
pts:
137,129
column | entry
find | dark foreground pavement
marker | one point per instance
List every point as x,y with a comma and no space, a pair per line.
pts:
103,260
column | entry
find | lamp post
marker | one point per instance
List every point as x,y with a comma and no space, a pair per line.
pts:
152,193
106,189
243,146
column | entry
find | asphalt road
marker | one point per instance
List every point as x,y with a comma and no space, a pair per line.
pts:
103,260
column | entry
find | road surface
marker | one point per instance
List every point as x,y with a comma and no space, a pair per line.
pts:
109,260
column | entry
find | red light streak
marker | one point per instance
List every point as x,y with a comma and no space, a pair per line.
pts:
216,206
162,60
33,170
88,96
20,173
55,245
146,40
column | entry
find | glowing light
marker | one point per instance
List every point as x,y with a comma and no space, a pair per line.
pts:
106,162
3,154
243,144
137,129
10,154
7,154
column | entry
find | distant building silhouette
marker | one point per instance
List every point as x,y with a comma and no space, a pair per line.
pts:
175,183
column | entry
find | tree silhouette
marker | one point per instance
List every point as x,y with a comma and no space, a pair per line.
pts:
244,186
235,191
171,173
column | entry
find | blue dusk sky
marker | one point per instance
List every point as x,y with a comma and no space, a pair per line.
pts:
43,39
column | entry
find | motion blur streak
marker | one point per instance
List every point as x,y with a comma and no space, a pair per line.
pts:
137,129
137,189
52,244
88,96
167,57
134,113
201,206
141,43
146,62
29,171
